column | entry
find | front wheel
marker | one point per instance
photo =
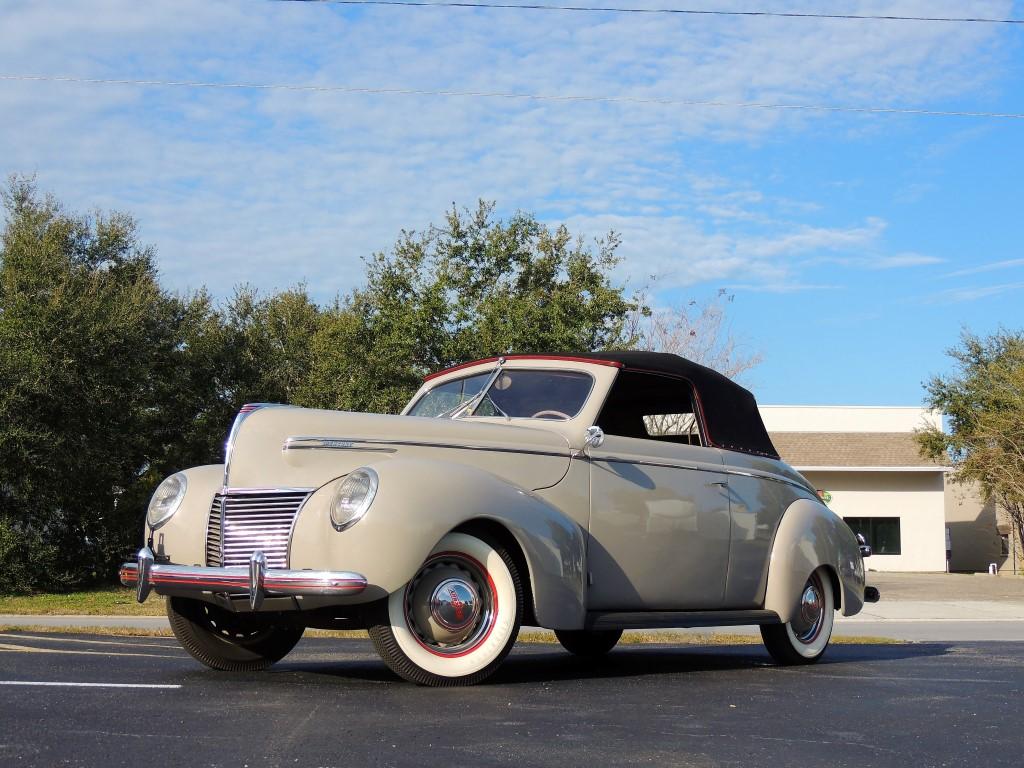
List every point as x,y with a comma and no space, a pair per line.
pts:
456,619
804,638
229,641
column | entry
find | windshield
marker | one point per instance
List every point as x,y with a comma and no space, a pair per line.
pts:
515,394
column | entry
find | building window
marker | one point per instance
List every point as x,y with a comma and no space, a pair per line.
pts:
881,533
1004,544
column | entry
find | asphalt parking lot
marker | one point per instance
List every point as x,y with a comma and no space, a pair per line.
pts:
332,703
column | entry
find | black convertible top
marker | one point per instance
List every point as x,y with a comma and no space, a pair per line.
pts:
729,411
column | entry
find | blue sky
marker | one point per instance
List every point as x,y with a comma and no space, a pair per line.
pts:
857,246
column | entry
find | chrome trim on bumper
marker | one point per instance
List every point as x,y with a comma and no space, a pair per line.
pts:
255,581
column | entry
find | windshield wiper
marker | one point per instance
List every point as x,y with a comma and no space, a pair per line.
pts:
471,404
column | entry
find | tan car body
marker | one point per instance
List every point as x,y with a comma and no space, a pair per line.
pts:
627,533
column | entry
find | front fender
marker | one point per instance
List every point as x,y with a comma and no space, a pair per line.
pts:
183,537
811,536
418,501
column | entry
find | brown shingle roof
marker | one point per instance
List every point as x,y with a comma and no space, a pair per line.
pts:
850,449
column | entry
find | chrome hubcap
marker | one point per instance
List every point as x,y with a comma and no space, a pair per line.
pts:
448,605
454,604
807,623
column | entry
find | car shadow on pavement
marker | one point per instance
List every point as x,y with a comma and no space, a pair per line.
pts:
634,661
536,664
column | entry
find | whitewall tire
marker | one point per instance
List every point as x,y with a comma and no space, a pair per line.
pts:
456,619
804,638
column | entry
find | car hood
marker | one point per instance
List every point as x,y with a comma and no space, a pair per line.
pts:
287,447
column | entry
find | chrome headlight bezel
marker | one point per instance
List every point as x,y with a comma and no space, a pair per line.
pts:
166,500
353,497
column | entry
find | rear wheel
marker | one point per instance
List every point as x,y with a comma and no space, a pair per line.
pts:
585,642
227,641
804,638
456,619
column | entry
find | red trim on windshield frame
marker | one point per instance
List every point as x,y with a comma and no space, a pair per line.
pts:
445,371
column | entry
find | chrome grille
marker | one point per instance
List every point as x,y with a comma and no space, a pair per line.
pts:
213,542
247,521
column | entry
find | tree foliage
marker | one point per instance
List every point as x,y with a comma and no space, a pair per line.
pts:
696,330
108,382
88,346
984,402
471,288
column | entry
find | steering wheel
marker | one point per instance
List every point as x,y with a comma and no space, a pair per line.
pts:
550,412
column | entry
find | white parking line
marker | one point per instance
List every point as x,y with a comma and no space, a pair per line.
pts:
86,685
171,644
12,648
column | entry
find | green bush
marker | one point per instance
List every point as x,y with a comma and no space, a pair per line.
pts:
26,560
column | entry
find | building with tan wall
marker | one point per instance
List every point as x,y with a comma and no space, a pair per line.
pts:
979,533
866,466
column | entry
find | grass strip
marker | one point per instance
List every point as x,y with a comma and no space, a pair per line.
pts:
113,601
527,636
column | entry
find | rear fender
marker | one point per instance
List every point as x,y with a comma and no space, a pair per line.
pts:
811,536
418,501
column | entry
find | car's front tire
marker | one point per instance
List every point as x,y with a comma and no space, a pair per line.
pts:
588,643
456,619
228,641
804,638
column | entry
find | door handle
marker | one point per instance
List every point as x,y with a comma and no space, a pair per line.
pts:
720,483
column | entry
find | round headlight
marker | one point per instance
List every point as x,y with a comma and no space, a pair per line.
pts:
166,500
353,497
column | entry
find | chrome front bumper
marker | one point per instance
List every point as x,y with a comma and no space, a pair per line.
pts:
257,581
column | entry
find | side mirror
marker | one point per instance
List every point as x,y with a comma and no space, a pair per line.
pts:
594,438
865,550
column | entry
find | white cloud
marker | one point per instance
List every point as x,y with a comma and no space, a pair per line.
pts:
901,260
677,252
990,267
274,187
957,295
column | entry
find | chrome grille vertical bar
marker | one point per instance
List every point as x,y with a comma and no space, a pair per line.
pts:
214,532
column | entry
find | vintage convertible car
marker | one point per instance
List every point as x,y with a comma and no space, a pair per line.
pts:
587,494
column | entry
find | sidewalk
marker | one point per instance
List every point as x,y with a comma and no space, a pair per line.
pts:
938,610
134,622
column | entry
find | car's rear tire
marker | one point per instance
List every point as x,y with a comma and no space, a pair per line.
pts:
227,641
588,643
804,638
456,619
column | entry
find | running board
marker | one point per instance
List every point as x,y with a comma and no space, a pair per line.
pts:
677,619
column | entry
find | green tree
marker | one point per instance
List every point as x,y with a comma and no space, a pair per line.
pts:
984,402
92,394
268,345
471,288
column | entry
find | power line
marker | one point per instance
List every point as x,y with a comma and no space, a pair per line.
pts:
347,89
683,11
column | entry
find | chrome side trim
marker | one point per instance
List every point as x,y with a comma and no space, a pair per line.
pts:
772,478
243,414
352,443
696,468
277,582
666,464
308,442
